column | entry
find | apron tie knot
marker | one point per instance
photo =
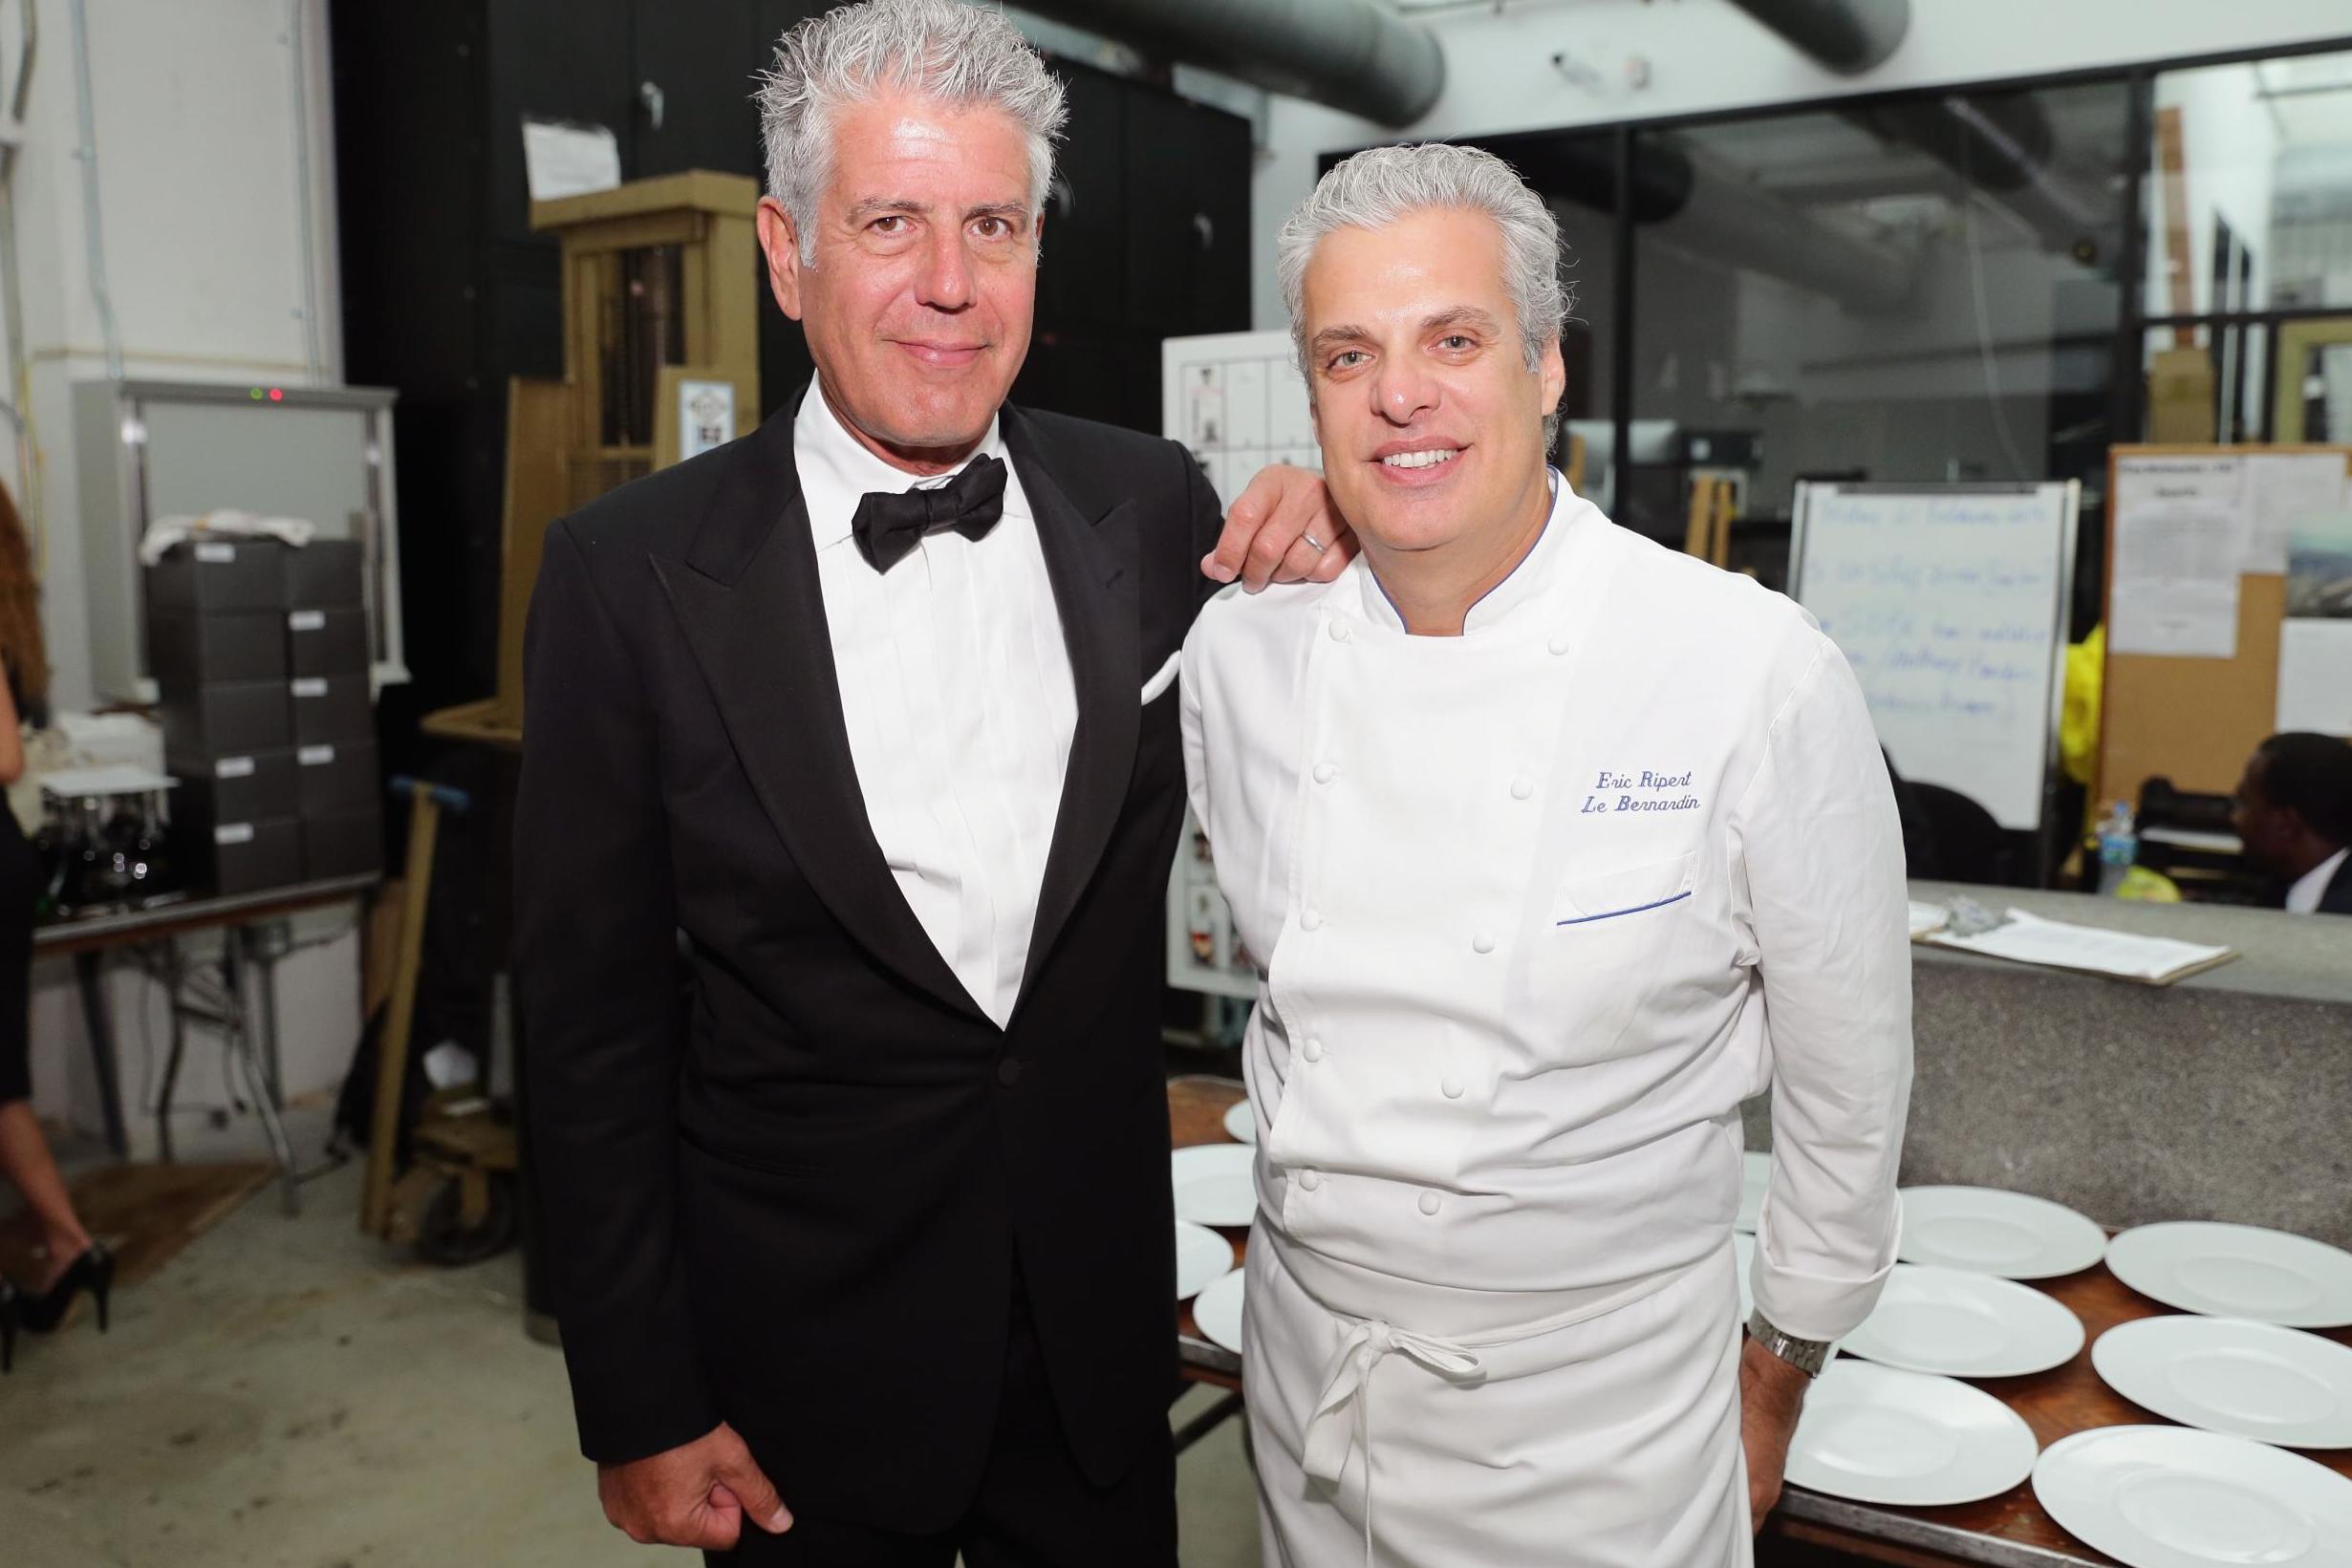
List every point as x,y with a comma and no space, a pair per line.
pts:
1334,1428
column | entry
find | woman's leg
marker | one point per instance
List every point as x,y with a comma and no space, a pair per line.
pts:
25,1162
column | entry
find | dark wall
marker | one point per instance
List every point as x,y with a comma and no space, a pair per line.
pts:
448,292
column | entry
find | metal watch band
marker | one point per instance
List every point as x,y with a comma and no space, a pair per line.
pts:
1806,1356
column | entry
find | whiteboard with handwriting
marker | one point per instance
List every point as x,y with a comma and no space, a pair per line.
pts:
1950,602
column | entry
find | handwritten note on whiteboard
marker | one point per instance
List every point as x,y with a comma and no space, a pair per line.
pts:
1949,604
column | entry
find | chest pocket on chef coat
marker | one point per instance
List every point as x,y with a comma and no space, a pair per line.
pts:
1616,940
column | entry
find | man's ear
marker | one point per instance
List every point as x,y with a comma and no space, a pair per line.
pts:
780,241
1554,371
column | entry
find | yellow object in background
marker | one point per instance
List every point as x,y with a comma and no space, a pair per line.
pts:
2148,887
2078,725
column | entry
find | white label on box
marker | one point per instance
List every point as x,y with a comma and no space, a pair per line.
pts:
315,755
216,555
233,767
234,833
311,686
306,620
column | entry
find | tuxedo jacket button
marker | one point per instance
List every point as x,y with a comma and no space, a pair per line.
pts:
1008,1071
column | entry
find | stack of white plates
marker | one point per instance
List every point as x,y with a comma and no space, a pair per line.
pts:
1213,1184
1202,1257
1217,1312
2170,1497
1241,1122
1876,1434
1755,1176
2237,1271
1965,1325
2227,1375
1985,1230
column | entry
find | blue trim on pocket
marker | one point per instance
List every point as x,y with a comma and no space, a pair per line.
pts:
1586,920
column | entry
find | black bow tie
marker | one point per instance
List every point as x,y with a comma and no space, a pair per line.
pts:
889,526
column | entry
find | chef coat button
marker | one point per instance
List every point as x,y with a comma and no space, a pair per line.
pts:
1340,631
1310,1178
1453,1087
1482,942
1428,1203
1559,643
1314,1050
1522,788
1310,921
1008,1071
1325,772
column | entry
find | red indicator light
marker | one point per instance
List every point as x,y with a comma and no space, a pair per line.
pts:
277,395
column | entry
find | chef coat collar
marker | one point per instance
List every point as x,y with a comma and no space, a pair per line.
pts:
838,465
1525,582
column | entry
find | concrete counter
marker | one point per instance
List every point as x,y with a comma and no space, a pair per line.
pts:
2226,1096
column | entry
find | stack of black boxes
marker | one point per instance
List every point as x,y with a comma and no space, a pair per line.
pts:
260,652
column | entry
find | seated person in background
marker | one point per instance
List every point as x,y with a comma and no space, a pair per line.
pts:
2294,814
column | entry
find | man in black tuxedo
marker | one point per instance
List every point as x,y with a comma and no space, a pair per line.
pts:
2294,813
850,787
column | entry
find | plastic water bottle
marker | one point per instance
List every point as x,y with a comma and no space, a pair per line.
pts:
2119,847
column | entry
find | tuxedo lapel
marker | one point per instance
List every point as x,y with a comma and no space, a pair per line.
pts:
751,607
1090,562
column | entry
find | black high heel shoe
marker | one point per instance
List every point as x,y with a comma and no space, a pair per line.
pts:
9,1301
94,1271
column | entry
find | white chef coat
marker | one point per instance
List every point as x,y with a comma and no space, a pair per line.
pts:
1538,906
2303,898
958,695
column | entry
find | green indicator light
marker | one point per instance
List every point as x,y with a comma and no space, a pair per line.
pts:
256,394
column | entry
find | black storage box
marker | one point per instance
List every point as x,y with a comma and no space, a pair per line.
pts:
331,708
326,642
185,649
348,843
260,783
323,574
339,776
229,719
249,856
216,574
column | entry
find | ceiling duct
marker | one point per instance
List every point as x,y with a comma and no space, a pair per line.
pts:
1848,37
2004,147
1693,203
1340,52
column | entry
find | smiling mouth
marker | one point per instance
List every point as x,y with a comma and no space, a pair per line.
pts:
1421,460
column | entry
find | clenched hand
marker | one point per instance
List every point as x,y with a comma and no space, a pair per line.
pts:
1272,530
1771,1394
697,1495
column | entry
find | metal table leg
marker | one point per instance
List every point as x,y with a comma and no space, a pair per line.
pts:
90,974
251,1057
170,951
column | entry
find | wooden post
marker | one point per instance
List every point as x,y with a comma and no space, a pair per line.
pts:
392,1050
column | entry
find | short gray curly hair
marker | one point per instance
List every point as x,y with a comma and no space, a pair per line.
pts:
943,50
1377,186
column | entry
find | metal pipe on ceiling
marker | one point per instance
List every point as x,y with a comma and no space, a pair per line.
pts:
1340,52
1848,37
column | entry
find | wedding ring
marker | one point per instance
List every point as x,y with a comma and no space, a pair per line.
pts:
1312,543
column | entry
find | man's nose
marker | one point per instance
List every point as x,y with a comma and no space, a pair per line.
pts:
946,280
1403,393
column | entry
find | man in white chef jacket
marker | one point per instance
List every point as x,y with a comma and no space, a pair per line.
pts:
1559,845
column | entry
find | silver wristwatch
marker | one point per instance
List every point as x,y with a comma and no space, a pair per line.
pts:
1806,1356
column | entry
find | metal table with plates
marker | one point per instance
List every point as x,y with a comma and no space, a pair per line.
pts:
2009,1531
235,992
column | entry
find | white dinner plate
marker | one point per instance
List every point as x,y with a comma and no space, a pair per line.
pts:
2237,1271
1985,1230
1218,1312
2229,1375
1202,1256
2170,1497
1213,1184
1755,1176
1241,1122
1964,1326
1744,1248
1877,1434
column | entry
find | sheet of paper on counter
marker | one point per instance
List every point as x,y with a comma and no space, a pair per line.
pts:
2279,488
1927,917
2315,676
2029,938
2181,531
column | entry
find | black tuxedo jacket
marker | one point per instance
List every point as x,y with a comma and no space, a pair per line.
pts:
788,1167
2336,898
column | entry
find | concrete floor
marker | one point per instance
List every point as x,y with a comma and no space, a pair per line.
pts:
290,1394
